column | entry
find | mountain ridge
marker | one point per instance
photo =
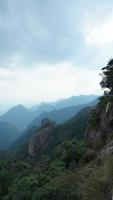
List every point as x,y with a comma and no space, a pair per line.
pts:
66,102
21,116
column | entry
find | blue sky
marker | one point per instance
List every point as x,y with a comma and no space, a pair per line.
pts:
51,49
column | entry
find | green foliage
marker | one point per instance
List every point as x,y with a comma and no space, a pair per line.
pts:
95,186
55,168
98,185
74,127
6,179
70,152
54,177
64,187
26,186
107,81
60,173
48,177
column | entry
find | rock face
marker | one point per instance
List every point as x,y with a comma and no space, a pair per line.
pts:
41,139
99,138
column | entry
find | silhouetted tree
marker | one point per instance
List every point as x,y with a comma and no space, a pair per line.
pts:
107,77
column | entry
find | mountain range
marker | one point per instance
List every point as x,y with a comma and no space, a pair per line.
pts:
61,115
20,116
25,120
63,103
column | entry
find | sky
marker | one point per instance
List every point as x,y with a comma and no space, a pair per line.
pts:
52,49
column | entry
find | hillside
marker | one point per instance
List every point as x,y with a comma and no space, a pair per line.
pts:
68,161
60,164
8,134
50,135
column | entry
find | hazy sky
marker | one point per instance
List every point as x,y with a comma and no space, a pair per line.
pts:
52,49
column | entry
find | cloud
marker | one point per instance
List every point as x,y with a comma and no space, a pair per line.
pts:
41,32
46,82
100,35
52,49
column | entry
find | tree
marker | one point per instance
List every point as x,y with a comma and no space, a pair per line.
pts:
107,77
6,179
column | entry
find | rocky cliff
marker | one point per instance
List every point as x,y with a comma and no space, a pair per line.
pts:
41,139
99,135
50,134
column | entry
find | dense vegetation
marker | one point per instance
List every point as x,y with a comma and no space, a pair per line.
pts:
62,172
107,77
59,177
54,174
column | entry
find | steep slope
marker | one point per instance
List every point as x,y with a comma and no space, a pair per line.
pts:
8,134
19,116
99,135
41,139
51,135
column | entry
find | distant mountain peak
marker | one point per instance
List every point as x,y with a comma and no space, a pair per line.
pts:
18,115
19,106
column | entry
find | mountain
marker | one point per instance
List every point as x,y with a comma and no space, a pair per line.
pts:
50,134
73,160
75,100
62,103
19,116
43,107
61,115
8,134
